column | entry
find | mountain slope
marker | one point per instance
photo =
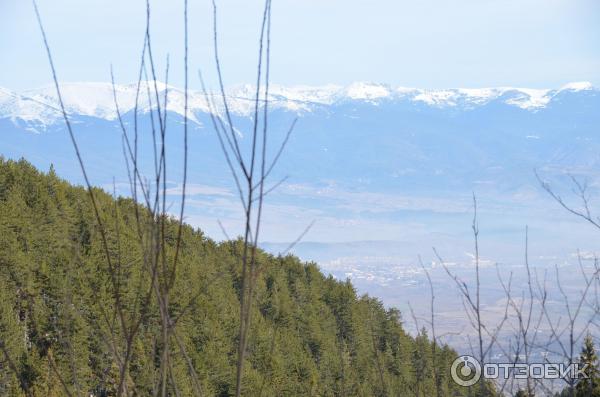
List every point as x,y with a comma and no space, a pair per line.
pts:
311,335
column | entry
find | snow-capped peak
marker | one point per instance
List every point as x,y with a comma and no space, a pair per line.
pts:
92,99
367,91
577,86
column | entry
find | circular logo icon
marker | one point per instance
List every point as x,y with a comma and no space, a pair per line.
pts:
465,371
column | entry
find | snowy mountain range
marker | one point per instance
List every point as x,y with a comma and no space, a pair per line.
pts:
40,106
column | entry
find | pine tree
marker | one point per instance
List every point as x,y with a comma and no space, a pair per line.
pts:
589,386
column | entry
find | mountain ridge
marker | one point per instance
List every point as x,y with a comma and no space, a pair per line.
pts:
93,99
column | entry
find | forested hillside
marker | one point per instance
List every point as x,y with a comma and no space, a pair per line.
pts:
59,329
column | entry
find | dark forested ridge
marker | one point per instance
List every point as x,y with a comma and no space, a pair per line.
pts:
310,334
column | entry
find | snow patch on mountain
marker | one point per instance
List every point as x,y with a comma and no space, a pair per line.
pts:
367,91
528,98
578,86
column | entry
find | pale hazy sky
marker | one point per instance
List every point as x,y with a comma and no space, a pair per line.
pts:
417,43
